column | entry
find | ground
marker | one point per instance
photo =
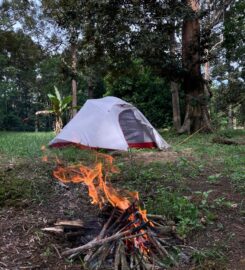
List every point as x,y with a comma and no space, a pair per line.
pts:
197,184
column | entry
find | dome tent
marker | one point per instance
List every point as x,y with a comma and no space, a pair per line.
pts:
109,123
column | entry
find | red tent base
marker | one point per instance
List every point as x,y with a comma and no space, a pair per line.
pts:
80,146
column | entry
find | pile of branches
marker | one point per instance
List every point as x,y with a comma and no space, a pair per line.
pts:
127,240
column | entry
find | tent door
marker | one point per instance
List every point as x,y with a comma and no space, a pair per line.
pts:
134,131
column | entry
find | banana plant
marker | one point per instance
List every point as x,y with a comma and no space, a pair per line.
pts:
58,106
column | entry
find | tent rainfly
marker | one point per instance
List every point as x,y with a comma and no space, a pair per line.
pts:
109,123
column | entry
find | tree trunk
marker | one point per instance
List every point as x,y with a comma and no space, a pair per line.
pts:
58,124
90,88
74,79
230,117
196,113
36,123
174,86
175,104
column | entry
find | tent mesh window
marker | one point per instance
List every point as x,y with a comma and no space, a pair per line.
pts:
133,130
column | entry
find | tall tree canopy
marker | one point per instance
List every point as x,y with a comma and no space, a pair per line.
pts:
91,48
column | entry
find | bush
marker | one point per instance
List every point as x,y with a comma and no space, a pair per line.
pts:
149,93
11,122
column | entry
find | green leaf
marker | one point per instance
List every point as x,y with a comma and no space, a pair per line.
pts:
57,93
65,102
51,96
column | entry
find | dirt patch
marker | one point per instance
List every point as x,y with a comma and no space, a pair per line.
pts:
226,233
160,156
22,243
24,246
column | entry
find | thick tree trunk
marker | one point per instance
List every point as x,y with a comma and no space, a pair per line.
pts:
74,79
196,114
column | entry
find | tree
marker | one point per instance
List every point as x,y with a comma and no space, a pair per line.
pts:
228,68
148,92
68,15
196,112
19,56
58,106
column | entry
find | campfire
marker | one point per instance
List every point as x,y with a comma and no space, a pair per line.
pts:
129,238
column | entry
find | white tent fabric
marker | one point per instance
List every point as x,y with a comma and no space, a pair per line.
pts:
109,123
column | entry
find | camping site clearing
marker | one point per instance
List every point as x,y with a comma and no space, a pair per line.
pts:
198,184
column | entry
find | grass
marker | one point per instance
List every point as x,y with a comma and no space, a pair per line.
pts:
23,144
180,189
230,159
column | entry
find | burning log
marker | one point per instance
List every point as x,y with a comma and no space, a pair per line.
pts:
129,239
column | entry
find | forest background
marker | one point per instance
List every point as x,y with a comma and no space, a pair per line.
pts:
180,62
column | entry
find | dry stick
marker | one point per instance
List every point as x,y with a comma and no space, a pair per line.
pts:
97,254
89,257
103,256
131,264
94,243
125,215
190,136
57,251
137,263
156,217
161,249
101,235
141,259
103,231
133,236
117,256
124,263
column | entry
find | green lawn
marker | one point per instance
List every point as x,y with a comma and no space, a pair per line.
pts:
23,144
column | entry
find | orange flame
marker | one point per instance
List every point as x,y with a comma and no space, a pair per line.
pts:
99,191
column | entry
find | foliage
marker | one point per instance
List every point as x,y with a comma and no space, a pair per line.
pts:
58,106
212,258
228,69
234,32
146,91
35,54
177,208
18,88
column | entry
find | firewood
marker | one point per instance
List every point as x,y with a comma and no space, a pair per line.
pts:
163,230
137,263
56,230
101,235
103,231
160,248
94,243
117,256
132,261
99,257
151,216
124,264
70,223
133,236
